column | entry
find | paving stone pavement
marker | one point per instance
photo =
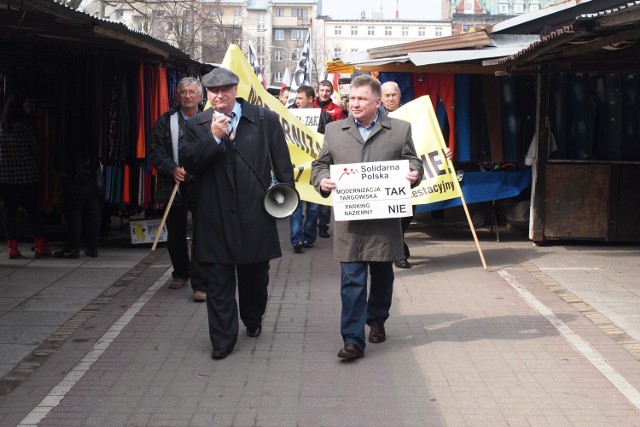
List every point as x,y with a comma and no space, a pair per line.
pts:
544,336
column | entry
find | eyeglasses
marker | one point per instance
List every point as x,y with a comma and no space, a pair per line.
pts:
188,92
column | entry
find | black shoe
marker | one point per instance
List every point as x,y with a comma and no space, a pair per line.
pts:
323,233
350,351
67,253
254,332
219,353
307,244
402,263
93,253
377,334
297,247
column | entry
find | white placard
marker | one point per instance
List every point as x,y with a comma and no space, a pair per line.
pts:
309,116
371,190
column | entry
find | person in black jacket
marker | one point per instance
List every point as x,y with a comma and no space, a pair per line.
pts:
81,191
233,148
166,137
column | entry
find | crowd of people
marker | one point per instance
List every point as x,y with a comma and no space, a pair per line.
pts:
217,165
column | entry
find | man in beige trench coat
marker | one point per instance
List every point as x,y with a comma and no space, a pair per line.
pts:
365,246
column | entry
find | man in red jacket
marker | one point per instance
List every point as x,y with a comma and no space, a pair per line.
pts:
325,90
324,101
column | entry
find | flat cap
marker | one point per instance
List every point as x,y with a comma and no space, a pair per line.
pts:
220,77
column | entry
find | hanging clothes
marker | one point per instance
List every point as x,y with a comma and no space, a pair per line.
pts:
447,94
463,118
492,109
141,113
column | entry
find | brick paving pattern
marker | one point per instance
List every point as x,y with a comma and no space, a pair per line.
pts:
464,347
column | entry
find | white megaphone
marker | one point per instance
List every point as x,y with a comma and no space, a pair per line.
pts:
281,200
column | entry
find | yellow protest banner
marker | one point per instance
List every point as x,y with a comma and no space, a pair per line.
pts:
305,144
438,182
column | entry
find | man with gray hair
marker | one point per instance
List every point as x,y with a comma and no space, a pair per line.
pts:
166,137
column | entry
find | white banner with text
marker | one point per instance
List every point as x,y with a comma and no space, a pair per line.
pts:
371,190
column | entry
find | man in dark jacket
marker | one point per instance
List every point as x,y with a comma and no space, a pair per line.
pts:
166,137
232,148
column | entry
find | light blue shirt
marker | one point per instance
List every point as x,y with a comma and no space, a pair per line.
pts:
235,119
237,112
366,131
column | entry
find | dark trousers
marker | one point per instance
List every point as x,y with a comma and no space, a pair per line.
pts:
83,222
177,244
252,282
14,196
404,222
324,217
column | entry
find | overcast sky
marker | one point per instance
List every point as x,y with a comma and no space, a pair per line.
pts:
409,9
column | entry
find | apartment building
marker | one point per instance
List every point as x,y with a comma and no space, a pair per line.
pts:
202,28
468,14
291,21
278,28
358,35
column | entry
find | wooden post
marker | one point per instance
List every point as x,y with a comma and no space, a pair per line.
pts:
538,193
164,216
466,211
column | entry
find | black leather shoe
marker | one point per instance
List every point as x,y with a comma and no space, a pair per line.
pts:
324,234
402,263
254,332
350,351
219,353
307,244
67,253
377,334
297,247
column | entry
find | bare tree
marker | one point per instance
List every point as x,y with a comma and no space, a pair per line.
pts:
203,29
219,31
319,55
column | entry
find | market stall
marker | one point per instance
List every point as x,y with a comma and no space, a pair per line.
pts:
493,89
93,87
